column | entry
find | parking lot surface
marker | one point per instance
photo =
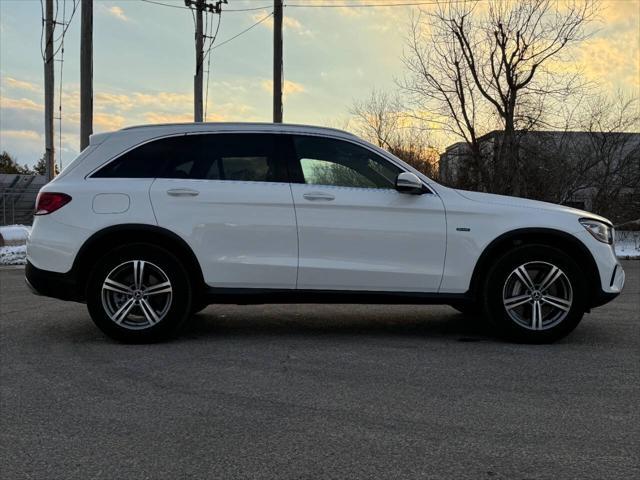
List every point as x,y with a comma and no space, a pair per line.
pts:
316,391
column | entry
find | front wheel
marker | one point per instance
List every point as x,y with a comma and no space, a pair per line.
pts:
535,294
139,293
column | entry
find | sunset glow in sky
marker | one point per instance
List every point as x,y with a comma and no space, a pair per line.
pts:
144,64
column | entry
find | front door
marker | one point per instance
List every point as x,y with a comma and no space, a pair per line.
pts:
356,231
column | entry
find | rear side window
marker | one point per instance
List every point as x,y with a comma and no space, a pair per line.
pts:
239,157
145,161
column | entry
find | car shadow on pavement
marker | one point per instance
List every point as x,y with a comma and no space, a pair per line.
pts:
335,320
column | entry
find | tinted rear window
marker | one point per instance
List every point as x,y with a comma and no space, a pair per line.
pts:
145,161
239,157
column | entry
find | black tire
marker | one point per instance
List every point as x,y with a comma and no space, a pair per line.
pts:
496,288
177,303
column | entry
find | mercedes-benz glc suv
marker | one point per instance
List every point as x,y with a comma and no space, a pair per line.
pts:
151,224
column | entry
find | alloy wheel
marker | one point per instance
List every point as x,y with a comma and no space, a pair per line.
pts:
136,294
537,295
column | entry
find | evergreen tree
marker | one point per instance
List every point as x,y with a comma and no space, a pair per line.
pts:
9,165
40,167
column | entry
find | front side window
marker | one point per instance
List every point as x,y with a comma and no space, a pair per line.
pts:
326,161
238,157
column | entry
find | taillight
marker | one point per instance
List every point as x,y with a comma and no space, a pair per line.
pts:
48,202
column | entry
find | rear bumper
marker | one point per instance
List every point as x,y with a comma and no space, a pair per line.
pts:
52,284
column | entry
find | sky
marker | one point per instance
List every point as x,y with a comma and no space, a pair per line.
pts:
144,62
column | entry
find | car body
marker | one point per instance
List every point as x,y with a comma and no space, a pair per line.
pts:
267,218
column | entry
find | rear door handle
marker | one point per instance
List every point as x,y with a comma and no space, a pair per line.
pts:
319,196
182,192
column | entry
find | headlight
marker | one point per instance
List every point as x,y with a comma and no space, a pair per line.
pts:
600,231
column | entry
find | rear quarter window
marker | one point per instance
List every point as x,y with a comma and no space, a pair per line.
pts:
146,161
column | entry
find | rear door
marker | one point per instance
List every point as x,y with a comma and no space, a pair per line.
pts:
356,231
228,196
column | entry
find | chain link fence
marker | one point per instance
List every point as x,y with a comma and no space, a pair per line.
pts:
16,205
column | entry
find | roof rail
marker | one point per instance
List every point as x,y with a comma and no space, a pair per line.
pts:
257,124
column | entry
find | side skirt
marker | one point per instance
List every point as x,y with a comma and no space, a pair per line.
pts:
258,296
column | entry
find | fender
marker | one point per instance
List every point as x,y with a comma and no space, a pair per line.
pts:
544,236
101,241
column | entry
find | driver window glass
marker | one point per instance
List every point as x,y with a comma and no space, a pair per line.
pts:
326,161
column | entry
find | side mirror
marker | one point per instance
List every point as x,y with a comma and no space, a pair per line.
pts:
408,182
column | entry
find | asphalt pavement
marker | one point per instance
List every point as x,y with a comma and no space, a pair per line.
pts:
316,391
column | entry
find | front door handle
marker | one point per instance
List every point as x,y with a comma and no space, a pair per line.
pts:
182,192
319,196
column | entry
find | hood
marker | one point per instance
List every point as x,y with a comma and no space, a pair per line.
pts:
517,202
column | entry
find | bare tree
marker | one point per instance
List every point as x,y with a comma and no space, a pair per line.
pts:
378,117
490,69
442,91
382,119
611,168
594,159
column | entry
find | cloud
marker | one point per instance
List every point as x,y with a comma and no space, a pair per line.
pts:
118,13
289,23
104,100
25,145
256,17
163,117
290,88
163,99
106,121
15,84
611,59
619,12
20,134
19,104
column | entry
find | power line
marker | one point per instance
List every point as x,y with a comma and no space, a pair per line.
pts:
212,39
66,24
242,32
371,5
249,9
166,4
61,38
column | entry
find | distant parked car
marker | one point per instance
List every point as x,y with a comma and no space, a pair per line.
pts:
151,224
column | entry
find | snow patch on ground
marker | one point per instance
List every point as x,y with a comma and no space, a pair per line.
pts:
13,239
14,235
628,245
15,255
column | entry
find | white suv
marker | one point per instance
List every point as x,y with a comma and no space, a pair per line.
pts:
151,224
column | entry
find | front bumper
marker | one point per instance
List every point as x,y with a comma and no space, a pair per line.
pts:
616,284
52,284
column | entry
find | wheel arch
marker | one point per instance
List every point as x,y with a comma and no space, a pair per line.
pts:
537,236
102,241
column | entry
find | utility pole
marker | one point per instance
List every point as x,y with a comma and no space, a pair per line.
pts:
86,73
197,79
201,6
48,91
277,61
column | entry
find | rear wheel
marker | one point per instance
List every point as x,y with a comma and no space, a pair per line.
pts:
139,293
535,294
